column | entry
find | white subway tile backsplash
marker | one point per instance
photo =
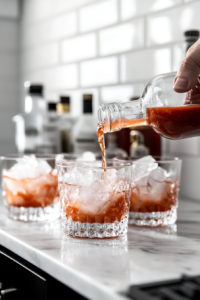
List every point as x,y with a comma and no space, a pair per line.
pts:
132,8
99,71
62,77
168,26
128,9
55,78
178,55
97,15
79,48
63,26
41,56
35,11
120,93
66,76
122,37
34,35
159,30
59,27
189,147
145,64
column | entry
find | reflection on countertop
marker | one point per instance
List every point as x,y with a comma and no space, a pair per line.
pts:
104,269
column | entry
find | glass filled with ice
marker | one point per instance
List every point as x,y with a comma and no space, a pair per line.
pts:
94,200
30,188
154,191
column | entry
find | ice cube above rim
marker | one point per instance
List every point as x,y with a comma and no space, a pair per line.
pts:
28,167
79,175
143,166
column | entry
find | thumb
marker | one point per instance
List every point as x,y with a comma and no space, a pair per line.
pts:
189,70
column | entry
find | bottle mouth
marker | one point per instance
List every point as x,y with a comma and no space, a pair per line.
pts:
111,116
104,117
103,113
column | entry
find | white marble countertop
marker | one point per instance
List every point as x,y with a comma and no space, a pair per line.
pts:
105,269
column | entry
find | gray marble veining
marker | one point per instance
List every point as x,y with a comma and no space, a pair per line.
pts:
101,269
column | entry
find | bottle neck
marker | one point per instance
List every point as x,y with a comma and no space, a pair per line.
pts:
115,116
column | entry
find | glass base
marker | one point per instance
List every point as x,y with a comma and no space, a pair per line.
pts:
34,214
154,218
95,230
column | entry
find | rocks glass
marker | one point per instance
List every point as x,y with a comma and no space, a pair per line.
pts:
154,191
30,188
94,200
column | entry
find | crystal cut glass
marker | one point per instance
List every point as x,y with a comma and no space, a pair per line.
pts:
154,191
94,200
30,188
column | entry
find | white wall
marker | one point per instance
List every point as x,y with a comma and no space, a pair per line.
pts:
9,72
110,48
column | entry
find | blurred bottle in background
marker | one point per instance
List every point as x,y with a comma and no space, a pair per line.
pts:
112,150
137,148
29,124
51,132
191,36
65,124
84,131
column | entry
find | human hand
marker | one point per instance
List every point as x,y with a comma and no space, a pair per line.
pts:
188,78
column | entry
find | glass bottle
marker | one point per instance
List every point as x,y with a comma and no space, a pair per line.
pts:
84,131
29,124
160,107
65,124
51,134
112,150
191,36
137,148
151,139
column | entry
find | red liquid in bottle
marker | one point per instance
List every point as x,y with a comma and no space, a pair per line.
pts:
175,122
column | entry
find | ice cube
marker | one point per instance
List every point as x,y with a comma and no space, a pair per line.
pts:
28,167
121,186
79,175
143,191
109,176
69,177
73,193
143,166
98,174
89,200
43,167
142,181
157,189
157,184
159,174
94,197
69,194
